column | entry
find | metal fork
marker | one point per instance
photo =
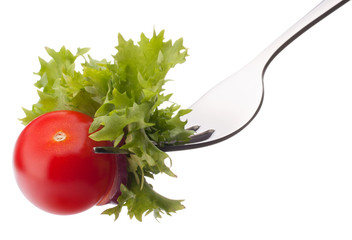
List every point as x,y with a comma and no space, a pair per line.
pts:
242,93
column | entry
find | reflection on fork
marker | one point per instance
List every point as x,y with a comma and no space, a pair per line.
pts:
242,93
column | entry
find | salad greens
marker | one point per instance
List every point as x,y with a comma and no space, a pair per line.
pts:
126,98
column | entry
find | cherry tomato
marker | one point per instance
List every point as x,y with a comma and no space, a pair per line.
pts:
56,168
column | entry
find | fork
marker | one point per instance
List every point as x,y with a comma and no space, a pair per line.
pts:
242,93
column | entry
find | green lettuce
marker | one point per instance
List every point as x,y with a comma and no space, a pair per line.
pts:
126,98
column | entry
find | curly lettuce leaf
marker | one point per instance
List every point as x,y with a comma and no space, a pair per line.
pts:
124,96
62,87
135,94
143,201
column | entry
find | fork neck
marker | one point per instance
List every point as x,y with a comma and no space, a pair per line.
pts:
322,10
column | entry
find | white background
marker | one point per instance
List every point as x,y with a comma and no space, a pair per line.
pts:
288,175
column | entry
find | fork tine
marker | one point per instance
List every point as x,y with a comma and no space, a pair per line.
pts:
110,150
193,128
193,139
201,136
166,148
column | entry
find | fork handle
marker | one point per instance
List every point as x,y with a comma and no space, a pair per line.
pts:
322,10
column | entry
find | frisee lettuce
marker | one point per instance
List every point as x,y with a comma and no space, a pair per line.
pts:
126,98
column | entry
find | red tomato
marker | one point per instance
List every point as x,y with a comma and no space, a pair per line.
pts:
57,169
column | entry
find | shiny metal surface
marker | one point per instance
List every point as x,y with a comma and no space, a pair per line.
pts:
232,104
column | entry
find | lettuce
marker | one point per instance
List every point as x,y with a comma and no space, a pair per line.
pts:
126,98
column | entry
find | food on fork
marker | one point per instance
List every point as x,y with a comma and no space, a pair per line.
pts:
119,103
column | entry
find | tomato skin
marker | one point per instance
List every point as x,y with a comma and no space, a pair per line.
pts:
55,165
